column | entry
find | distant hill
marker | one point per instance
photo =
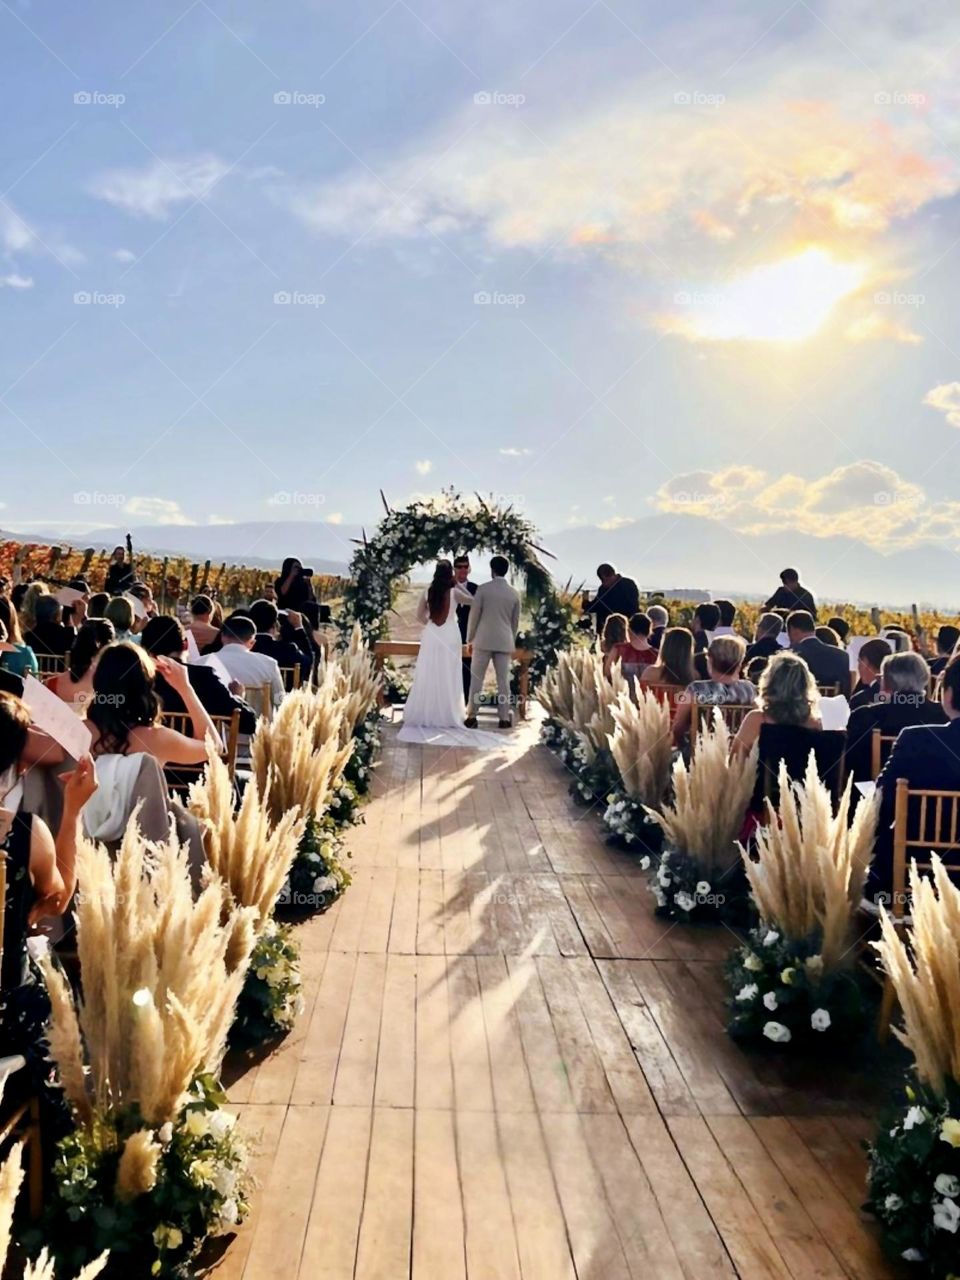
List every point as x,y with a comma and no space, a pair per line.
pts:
660,551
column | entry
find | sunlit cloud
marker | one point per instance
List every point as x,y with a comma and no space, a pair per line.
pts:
513,452
154,190
156,510
946,398
423,467
877,328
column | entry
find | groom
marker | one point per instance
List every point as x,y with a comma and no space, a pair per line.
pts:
492,630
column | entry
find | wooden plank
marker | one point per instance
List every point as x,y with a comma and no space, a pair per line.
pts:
842,1163
542,1242
406,910
263,1126
438,1237
491,1246
511,1081
330,1247
321,1046
383,1248
541,1048
434,1071
473,1086
430,925
582,1065
624,1077
396,1061
357,1065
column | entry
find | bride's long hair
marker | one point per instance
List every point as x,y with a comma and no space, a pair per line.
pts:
438,593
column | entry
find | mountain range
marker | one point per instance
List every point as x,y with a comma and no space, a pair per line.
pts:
663,552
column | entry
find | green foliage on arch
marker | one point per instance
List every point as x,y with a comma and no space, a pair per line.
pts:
445,526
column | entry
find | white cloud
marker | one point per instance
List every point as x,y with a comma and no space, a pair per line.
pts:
156,510
513,452
865,500
878,328
616,522
124,255
424,467
335,517
609,500
946,398
154,190
213,519
15,281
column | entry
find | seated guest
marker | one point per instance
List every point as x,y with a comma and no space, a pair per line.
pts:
635,652
124,715
840,627
829,665
120,575
787,697
728,616
246,666
15,656
49,635
614,635
617,594
947,637
928,757
706,618
724,684
903,701
674,666
164,637
898,639
25,597
140,591
201,622
98,602
287,653
755,667
659,621
791,596
869,661
827,635
765,642
75,685
119,613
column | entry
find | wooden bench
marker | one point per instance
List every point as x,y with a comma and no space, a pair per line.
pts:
384,649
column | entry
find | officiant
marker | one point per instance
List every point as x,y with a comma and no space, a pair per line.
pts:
461,571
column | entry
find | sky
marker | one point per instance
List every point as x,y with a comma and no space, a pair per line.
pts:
603,260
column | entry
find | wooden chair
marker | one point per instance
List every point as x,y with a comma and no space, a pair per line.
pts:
50,664
227,726
734,713
831,690
260,697
793,744
669,693
291,677
881,744
924,822
936,688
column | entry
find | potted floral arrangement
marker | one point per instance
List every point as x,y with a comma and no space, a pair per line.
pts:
154,1164
642,751
794,982
914,1176
697,875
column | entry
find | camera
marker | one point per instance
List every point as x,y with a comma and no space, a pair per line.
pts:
306,573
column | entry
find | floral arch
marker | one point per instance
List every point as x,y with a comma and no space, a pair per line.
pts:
446,526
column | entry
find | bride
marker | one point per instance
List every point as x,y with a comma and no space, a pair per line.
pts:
436,698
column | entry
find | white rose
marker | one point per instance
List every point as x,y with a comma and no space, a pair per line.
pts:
165,1133
747,992
915,1116
196,1124
776,1032
702,888
946,1215
753,963
221,1122
684,901
820,1019
645,862
771,937
947,1185
912,1255
770,1000
224,1181
892,1204
229,1212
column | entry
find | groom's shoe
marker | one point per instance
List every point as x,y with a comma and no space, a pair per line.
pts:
470,722
506,724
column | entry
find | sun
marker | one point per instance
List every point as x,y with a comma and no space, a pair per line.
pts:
786,301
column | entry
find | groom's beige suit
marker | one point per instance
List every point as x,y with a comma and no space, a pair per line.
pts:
492,630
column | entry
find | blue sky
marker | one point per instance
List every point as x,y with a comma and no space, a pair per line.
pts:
646,197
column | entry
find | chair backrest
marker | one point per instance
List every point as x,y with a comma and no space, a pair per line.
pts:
3,901
924,822
701,716
260,697
228,728
936,688
291,677
881,744
830,690
792,744
50,664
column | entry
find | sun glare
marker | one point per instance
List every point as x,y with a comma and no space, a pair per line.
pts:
784,301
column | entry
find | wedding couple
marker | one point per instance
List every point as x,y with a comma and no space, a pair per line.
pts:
434,712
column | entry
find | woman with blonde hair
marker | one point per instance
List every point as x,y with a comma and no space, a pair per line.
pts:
28,605
788,697
723,686
119,612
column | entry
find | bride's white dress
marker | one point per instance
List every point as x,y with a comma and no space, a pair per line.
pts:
435,708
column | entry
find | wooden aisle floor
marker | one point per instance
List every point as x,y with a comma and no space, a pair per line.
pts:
509,1068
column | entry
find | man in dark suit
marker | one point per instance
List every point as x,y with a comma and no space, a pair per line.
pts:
765,642
287,653
869,661
928,757
616,595
660,620
50,636
164,637
790,595
947,638
828,664
904,679
461,571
